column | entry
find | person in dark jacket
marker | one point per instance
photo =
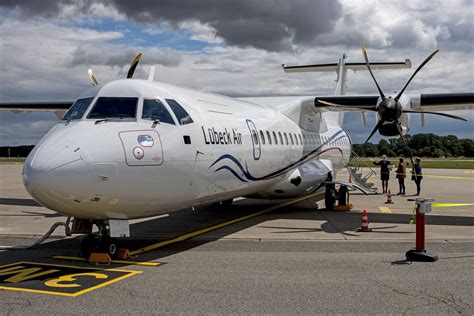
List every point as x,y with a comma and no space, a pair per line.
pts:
401,175
384,172
417,175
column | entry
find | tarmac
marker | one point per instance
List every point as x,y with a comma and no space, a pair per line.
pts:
256,256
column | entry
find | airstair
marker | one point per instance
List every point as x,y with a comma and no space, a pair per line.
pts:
356,168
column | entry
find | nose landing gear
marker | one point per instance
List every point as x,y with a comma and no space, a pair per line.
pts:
99,242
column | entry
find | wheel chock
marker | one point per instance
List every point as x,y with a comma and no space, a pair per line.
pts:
122,253
344,208
100,258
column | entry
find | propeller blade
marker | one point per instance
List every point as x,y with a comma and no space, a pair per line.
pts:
376,128
437,113
364,52
133,66
399,129
92,79
427,59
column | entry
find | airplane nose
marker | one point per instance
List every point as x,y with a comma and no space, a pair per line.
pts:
54,170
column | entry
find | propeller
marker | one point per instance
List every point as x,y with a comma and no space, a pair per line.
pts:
390,109
92,79
133,66
130,73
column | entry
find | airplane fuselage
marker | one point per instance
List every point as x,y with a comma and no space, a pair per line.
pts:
99,168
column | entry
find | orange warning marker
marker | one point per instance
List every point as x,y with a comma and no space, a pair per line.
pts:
365,223
122,253
389,198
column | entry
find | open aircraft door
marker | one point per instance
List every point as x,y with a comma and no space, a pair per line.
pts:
257,150
142,148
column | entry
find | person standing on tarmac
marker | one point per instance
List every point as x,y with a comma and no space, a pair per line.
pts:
384,172
417,175
401,175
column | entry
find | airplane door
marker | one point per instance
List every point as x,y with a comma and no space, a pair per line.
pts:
257,150
142,148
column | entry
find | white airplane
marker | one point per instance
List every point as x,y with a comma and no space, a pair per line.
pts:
134,148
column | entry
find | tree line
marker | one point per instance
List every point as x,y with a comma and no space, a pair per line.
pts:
422,145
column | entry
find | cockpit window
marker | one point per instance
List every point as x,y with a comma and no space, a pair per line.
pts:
78,109
114,107
181,114
155,110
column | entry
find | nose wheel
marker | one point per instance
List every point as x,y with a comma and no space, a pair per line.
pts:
99,242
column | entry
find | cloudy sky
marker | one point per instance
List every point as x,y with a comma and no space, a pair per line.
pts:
233,47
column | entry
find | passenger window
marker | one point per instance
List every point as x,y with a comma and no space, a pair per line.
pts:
286,138
155,110
301,140
281,138
114,107
296,139
291,138
269,138
275,138
78,109
262,137
181,114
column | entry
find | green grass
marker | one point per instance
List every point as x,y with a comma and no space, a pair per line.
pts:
12,159
451,163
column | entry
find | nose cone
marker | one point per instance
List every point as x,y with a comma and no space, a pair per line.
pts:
55,171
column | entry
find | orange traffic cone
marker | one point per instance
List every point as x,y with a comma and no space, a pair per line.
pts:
389,198
365,223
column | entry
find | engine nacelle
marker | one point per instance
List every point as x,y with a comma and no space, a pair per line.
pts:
390,129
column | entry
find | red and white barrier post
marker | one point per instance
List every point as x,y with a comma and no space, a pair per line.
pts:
423,206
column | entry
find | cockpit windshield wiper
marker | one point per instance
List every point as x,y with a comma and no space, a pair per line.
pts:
101,120
156,121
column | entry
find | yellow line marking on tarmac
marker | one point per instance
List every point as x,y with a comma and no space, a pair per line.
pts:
211,228
451,204
448,177
138,263
129,274
384,209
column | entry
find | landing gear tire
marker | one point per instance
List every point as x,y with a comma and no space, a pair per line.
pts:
94,243
89,244
330,199
109,245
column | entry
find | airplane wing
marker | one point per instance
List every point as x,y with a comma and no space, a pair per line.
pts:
421,102
57,107
36,106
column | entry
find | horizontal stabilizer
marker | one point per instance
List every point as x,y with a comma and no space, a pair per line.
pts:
353,66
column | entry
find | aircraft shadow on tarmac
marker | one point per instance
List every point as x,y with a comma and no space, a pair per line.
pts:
185,221
19,202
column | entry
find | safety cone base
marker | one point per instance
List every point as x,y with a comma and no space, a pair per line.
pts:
421,256
389,202
367,230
